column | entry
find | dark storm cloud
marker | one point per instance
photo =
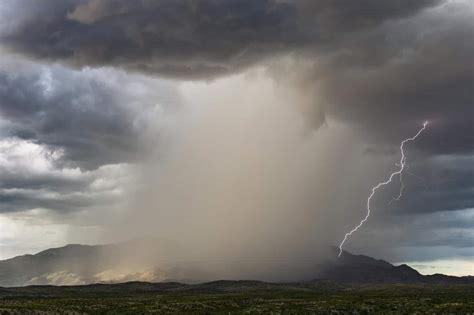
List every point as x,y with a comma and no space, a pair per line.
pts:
417,236
26,200
90,120
11,179
437,184
394,78
450,228
186,38
59,189
384,65
66,134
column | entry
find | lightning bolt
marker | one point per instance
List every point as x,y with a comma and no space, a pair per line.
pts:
402,166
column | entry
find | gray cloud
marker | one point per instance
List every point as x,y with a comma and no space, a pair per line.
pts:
93,117
417,236
385,66
64,132
392,79
434,216
61,195
26,200
31,179
438,184
186,38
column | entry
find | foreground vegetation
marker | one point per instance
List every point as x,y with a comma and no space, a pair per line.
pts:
242,297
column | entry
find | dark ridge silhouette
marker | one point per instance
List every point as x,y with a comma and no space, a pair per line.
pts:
83,264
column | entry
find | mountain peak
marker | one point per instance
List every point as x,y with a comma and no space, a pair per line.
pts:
84,264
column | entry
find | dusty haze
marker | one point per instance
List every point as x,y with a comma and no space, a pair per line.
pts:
243,184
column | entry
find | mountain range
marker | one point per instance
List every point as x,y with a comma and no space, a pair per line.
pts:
86,264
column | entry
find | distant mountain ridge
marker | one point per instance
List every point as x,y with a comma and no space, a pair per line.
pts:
85,264
352,268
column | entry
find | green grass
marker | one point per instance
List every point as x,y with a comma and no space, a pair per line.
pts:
232,298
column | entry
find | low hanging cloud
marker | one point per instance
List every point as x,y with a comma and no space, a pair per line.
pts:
188,39
30,179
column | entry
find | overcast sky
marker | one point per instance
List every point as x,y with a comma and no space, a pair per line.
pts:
266,120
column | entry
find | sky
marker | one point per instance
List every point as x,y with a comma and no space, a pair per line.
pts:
246,129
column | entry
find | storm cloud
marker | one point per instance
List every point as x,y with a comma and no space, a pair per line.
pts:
183,38
91,117
383,65
95,85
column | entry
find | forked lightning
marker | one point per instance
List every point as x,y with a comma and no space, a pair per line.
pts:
402,167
